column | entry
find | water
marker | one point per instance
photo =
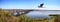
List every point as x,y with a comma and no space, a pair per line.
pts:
42,13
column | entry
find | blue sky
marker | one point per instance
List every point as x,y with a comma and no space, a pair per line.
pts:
17,4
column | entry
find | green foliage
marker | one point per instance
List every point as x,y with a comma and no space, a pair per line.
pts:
21,17
2,15
28,19
25,18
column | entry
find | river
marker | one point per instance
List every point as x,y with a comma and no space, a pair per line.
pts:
42,13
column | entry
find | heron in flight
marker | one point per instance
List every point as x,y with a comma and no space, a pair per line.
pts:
41,5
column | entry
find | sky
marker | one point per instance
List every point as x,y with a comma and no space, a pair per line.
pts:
18,4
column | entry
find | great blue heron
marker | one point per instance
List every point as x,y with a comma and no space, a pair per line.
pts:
41,5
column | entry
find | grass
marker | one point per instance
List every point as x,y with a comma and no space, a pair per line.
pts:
7,16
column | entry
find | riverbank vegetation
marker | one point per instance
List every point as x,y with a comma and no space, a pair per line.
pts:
7,16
